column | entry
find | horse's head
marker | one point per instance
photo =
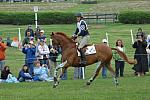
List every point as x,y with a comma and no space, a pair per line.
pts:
60,38
54,39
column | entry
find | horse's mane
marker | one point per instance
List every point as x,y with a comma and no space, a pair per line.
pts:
64,35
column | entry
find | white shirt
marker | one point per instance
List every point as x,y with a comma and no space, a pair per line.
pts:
43,50
120,48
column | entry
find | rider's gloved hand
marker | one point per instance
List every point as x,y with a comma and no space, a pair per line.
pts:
74,36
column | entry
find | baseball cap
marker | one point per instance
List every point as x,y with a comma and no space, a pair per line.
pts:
42,31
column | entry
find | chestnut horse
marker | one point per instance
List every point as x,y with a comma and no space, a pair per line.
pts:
70,57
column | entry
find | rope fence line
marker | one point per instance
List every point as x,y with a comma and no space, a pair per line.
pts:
21,59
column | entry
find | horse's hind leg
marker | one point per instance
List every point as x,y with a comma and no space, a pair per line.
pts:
115,79
96,73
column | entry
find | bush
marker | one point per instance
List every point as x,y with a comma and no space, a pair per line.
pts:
134,17
23,18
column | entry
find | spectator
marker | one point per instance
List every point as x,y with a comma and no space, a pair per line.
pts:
37,32
26,39
141,33
54,52
7,76
24,74
148,49
8,42
43,52
15,42
29,29
42,36
119,63
104,69
2,53
140,55
5,72
78,73
37,71
44,73
29,50
41,72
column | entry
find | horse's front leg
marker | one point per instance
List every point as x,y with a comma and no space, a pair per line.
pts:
56,79
62,72
98,68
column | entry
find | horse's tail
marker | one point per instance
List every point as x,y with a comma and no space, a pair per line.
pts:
123,55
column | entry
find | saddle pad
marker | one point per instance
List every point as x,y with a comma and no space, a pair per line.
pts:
89,50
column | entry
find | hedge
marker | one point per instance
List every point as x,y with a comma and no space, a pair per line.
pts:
23,18
134,17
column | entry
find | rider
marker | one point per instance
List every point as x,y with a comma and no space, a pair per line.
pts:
81,31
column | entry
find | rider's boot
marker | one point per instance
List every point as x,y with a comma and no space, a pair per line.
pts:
83,59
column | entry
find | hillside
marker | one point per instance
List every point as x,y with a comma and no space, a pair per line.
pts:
103,6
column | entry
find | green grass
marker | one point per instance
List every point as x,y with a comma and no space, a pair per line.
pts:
130,88
103,6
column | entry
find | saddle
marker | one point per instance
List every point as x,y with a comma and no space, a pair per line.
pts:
88,50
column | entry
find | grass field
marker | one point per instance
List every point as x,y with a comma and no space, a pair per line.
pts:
103,6
130,88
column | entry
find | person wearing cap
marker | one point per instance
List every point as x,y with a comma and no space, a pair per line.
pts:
29,50
2,53
104,69
42,36
83,33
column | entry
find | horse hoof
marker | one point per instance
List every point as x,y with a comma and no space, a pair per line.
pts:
117,84
54,86
88,83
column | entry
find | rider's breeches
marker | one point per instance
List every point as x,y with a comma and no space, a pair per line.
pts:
84,41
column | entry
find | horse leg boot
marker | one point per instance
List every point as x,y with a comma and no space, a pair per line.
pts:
83,59
115,79
56,78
